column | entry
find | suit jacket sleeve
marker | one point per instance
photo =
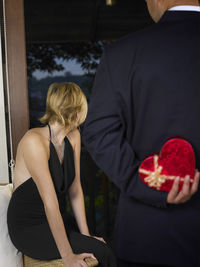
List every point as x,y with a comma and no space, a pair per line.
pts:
105,140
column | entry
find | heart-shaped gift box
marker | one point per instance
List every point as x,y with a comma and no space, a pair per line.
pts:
176,158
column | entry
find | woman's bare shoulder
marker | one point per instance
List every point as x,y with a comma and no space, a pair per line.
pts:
74,133
74,137
35,136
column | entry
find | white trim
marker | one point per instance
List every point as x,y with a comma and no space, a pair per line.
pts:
185,8
12,161
4,175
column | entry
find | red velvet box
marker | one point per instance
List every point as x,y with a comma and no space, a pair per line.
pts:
176,158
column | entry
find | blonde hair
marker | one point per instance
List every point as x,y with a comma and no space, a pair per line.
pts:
64,102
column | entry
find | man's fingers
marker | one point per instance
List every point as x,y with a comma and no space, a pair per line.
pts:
184,194
176,197
174,191
195,183
186,186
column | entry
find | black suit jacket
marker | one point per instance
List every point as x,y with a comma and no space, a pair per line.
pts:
146,90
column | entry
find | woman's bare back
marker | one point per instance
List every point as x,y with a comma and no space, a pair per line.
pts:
21,173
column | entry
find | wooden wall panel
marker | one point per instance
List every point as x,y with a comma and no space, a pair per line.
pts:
16,68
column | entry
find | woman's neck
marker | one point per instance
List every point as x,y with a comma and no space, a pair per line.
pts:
59,132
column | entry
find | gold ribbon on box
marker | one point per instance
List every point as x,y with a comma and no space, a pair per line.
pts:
155,178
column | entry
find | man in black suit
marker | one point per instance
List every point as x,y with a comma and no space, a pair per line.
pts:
146,90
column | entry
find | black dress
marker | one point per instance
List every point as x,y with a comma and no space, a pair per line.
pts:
27,222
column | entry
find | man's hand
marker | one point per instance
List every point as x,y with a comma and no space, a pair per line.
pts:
175,197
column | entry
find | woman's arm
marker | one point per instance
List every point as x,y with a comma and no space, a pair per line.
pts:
35,155
75,191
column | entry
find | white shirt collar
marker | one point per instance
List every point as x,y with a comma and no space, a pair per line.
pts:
185,8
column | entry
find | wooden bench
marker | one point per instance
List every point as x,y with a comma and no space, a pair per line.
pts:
29,262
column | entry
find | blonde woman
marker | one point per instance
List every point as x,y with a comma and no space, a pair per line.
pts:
47,170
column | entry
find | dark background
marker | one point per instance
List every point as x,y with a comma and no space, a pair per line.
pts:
57,33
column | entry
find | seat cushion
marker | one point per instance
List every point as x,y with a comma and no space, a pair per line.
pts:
9,255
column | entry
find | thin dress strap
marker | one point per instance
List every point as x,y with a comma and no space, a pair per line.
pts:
49,131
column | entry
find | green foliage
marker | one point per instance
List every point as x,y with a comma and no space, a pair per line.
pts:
99,173
87,200
68,207
43,56
99,201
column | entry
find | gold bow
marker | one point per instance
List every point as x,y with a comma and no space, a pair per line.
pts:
155,178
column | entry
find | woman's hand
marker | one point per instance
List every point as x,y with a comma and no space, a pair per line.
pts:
99,238
176,197
77,260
